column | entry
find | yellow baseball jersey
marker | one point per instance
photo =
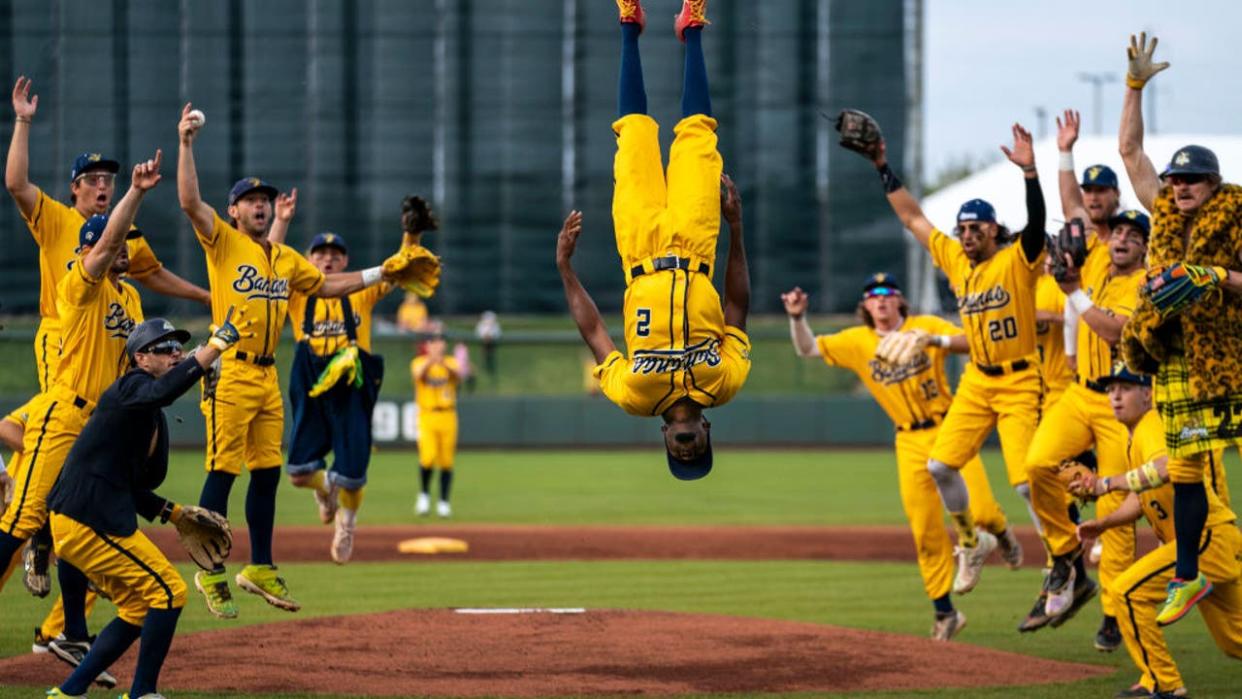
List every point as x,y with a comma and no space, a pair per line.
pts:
1116,296
910,394
328,332
1147,444
438,388
679,346
245,275
996,299
55,228
96,317
1049,338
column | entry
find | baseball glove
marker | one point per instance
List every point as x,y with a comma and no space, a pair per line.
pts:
1078,479
900,348
7,487
344,364
860,132
1174,289
204,534
414,268
1072,240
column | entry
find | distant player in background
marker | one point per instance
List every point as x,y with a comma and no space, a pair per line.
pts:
916,396
436,378
686,352
412,314
333,385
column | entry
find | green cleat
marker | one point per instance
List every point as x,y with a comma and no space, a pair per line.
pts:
1183,596
263,581
215,589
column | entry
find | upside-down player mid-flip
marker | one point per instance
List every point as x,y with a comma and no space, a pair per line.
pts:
686,352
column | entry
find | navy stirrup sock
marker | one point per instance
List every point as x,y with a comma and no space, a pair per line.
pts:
157,636
1189,515
215,495
73,596
695,97
113,641
631,93
261,513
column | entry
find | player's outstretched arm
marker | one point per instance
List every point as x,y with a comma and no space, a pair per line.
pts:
1140,69
737,272
581,306
286,206
1072,206
99,259
1022,154
796,302
17,167
861,134
168,283
1127,513
202,216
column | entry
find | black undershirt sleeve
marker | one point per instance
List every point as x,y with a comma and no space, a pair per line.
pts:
1033,236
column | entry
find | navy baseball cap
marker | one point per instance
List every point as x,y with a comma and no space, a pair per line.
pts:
1099,176
881,284
247,185
693,469
328,240
92,230
976,210
1192,160
1133,217
92,161
1122,373
151,331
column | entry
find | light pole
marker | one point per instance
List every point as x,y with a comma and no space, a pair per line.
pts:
1097,80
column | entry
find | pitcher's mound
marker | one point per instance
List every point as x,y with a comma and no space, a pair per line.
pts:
525,653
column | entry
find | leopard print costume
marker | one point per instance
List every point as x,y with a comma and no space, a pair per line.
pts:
1211,330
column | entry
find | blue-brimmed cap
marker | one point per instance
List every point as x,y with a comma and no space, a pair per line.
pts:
1135,218
247,185
1121,373
881,280
1192,160
695,468
1099,176
151,331
92,230
976,210
92,161
328,240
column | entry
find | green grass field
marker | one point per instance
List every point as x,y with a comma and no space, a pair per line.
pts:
620,487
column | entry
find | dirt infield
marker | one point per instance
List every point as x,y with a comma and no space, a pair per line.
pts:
444,653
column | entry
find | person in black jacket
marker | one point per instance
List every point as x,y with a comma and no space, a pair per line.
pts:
108,480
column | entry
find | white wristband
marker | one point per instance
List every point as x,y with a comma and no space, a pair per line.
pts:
1067,160
372,276
941,341
1080,302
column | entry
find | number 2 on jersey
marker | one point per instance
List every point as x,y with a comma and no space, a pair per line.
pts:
643,329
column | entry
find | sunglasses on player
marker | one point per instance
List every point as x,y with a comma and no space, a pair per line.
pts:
880,291
165,347
1185,179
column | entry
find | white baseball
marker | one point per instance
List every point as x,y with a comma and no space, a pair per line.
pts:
197,117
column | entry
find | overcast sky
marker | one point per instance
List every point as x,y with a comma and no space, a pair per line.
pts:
990,63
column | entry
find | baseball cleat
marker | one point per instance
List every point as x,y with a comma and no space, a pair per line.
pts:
970,562
327,502
1037,618
1085,590
1108,637
37,563
693,14
215,589
631,12
343,536
947,626
422,506
263,581
1010,548
40,642
1183,595
55,692
1136,691
72,653
1061,583
444,509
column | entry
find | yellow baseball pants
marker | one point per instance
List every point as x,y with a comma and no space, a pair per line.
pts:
437,438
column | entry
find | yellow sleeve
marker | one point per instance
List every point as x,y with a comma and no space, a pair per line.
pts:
1129,297
1149,441
78,288
216,238
363,301
46,219
837,349
940,326
1048,296
306,277
416,365
735,351
142,260
612,374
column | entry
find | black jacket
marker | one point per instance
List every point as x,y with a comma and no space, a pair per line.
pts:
112,469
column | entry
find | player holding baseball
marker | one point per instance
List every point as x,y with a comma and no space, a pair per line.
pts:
914,393
1140,589
1187,328
436,378
686,352
108,480
244,410
994,278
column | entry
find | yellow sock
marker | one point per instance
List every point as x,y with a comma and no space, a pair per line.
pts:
319,481
964,524
350,499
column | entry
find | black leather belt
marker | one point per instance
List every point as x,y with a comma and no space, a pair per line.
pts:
924,425
258,360
1091,385
1002,369
659,264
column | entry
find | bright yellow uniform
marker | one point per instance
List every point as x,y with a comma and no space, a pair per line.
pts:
1002,386
1083,418
436,396
666,233
55,228
328,333
245,413
1051,341
97,316
916,397
1140,590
